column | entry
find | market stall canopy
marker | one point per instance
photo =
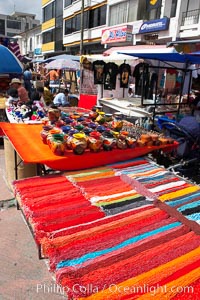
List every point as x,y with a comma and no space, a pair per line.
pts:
113,57
9,63
62,56
63,64
164,55
133,49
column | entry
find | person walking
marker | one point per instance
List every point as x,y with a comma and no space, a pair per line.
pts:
53,78
27,76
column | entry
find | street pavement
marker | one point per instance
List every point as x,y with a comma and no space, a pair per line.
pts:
23,276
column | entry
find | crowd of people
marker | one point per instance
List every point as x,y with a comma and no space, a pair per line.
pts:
22,92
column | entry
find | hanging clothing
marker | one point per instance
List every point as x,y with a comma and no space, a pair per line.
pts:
111,71
125,72
170,80
99,69
153,84
141,73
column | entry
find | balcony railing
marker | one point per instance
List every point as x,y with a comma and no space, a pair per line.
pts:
190,17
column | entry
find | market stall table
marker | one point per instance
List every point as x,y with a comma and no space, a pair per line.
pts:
86,231
27,142
128,107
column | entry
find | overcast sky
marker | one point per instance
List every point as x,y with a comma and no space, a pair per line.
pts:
28,6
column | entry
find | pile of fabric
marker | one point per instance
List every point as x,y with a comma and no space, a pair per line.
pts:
107,237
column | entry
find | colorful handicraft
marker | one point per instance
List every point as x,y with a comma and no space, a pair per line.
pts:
101,132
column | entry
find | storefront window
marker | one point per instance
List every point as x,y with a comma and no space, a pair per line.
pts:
93,18
68,26
97,17
49,12
59,8
173,8
76,23
118,13
154,14
145,14
132,12
67,3
2,27
31,44
14,24
48,36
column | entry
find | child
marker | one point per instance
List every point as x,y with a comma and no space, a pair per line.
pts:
13,97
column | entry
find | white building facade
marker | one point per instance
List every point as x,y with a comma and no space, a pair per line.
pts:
12,25
107,23
21,32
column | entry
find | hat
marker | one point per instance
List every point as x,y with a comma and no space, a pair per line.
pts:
15,80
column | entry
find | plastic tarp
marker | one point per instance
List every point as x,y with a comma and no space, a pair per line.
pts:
190,124
164,55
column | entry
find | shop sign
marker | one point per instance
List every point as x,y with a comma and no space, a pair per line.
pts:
117,34
136,26
155,25
37,51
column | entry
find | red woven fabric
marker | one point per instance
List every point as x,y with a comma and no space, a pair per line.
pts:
130,251
103,221
123,269
193,295
112,236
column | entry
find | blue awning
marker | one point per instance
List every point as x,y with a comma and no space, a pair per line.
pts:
166,56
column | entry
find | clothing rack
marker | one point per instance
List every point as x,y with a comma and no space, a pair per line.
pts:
157,102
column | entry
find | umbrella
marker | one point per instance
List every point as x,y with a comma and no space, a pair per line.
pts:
9,63
62,56
63,64
37,60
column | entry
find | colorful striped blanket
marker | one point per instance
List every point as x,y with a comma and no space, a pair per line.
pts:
120,232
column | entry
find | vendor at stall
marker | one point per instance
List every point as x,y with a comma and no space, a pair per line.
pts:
48,96
61,99
22,92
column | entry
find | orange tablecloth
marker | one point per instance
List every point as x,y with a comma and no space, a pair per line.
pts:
26,140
